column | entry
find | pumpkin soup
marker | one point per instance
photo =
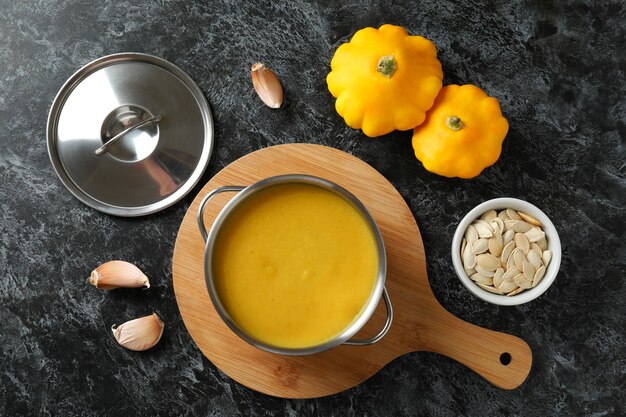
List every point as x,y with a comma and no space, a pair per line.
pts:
294,265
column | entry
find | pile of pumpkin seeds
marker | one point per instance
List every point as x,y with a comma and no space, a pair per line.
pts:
505,252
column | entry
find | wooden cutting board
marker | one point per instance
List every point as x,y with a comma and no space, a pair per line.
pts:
420,322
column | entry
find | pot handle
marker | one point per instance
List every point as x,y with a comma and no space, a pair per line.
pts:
205,200
382,333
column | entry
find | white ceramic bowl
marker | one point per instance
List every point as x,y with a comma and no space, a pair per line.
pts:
554,245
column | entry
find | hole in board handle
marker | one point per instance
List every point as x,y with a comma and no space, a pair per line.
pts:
505,358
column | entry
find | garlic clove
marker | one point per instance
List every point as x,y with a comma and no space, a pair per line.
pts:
139,334
267,85
118,274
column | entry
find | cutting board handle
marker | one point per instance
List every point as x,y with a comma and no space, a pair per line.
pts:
500,358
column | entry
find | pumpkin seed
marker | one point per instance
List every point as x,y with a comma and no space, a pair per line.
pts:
470,234
497,224
480,246
546,257
495,245
483,228
528,218
488,288
543,244
534,259
510,273
503,215
518,226
521,241
482,279
487,262
513,214
539,275
488,215
529,271
508,236
519,258
515,292
508,249
469,260
510,262
484,272
497,277
535,234
521,281
507,286
535,248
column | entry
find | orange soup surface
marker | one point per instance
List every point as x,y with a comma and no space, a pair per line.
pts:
294,265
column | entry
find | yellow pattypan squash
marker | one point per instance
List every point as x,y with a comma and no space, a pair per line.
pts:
462,134
384,79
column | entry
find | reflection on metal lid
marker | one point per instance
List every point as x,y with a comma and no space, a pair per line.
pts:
149,123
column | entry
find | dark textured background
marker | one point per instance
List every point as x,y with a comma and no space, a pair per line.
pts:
559,74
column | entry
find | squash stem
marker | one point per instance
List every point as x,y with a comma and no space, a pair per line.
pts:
387,65
455,123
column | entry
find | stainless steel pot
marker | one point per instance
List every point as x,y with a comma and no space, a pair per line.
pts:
379,288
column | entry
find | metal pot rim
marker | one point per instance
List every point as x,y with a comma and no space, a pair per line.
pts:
366,312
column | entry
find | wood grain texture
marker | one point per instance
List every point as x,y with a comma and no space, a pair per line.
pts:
420,322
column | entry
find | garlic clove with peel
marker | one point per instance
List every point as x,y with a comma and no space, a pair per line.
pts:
139,334
267,85
118,274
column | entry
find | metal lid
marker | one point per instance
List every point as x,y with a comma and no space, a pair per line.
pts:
130,134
